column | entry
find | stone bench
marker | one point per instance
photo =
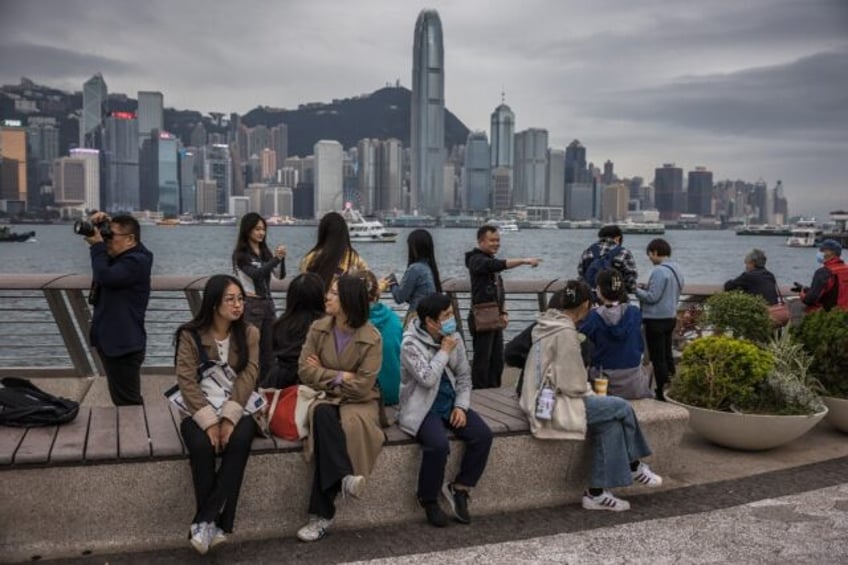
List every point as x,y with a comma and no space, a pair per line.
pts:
118,479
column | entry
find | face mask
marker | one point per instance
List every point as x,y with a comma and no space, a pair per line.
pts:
448,327
819,257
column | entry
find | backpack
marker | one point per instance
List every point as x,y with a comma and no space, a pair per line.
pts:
599,262
22,404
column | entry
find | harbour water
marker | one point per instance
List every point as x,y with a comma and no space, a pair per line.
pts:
706,257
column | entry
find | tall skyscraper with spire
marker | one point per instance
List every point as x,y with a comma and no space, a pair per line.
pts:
428,115
502,132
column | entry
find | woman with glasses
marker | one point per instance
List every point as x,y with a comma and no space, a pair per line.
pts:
217,332
253,264
341,357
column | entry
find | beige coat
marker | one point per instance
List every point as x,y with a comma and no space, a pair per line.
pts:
359,403
188,359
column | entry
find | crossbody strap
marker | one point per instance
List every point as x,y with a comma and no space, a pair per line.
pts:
673,272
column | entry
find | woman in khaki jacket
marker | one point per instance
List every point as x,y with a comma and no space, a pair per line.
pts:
341,356
223,334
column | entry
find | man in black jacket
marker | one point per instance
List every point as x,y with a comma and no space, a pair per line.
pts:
487,287
120,291
756,279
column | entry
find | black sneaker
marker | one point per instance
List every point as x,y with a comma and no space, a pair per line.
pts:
458,500
435,515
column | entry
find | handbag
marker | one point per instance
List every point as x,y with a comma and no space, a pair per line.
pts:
487,317
779,313
288,414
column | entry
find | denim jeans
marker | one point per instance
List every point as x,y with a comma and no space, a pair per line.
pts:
616,440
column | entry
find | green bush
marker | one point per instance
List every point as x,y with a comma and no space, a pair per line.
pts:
719,371
824,335
790,388
740,314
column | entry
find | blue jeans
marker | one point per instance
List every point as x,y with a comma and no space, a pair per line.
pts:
616,440
435,447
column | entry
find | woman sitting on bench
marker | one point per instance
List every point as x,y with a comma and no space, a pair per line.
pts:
217,332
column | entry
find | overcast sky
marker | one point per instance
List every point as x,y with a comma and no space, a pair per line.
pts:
750,89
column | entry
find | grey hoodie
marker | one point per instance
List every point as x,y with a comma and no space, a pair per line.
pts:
422,363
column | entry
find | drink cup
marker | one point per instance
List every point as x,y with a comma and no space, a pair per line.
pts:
601,384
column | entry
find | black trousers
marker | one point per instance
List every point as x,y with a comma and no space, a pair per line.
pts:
123,375
260,313
658,336
332,462
216,492
488,362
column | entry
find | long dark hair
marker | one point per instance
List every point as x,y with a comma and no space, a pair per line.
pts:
242,249
420,247
353,300
213,296
332,246
304,304
611,285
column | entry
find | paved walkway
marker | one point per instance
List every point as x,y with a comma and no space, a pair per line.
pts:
793,515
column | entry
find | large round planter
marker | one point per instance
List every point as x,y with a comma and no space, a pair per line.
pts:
748,432
837,412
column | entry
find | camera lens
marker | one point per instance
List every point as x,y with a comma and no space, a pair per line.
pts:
83,228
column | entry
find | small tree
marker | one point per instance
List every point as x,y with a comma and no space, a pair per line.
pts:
742,315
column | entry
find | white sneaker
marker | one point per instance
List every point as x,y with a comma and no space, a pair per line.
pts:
645,477
215,535
200,537
604,501
353,486
315,529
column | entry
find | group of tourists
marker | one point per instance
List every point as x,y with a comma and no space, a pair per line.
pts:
337,337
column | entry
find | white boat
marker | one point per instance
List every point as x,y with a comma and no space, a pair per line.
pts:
631,227
804,234
366,231
503,226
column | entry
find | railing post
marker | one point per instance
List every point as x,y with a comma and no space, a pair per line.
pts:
79,306
194,300
65,323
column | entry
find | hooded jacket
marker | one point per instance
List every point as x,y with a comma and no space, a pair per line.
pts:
422,363
388,324
555,359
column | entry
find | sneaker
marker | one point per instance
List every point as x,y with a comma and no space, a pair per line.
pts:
315,529
199,537
644,476
604,501
216,535
458,501
353,486
435,515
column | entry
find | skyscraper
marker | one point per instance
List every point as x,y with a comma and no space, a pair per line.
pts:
531,147
91,160
120,155
502,132
668,191
390,173
428,115
476,173
328,177
217,167
94,94
555,178
280,141
13,164
700,192
575,163
366,150
150,114
160,188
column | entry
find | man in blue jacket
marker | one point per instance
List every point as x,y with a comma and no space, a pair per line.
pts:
120,291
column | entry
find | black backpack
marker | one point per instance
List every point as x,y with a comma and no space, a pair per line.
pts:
599,262
23,405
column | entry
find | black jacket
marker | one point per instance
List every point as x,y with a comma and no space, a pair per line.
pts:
486,284
760,282
122,286
288,341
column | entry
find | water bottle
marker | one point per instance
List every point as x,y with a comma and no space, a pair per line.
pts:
545,403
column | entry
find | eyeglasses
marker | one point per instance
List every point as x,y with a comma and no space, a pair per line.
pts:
233,300
116,234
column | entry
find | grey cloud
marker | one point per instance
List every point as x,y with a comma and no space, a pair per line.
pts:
53,63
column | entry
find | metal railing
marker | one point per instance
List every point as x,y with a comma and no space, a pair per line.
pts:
45,318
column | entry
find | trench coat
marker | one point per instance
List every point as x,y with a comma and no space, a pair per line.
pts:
360,407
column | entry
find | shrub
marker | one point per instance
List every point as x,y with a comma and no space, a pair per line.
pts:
742,315
824,335
717,371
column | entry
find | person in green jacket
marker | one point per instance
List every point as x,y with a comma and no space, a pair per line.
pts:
389,325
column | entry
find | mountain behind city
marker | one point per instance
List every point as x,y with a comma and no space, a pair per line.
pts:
382,114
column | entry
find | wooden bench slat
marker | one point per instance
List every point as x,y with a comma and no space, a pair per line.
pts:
133,441
164,437
503,404
512,422
491,417
10,439
102,434
70,439
36,445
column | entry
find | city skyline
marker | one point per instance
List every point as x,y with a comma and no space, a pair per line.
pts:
753,91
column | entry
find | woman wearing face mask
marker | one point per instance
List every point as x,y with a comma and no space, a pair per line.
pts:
435,397
560,404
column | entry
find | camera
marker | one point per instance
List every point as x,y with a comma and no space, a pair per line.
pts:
797,287
86,228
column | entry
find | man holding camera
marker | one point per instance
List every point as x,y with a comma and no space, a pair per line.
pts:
120,290
829,288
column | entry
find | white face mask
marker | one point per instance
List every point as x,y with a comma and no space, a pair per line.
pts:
819,257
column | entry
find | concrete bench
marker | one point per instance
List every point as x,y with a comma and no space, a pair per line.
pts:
118,479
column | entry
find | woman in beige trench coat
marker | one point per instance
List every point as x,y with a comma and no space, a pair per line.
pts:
341,356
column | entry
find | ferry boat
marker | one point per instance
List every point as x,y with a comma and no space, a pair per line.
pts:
805,234
631,227
764,229
504,226
366,231
7,236
279,221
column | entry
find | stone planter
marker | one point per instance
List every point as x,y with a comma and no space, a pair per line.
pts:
748,432
837,414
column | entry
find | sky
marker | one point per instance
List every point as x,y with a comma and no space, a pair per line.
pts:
751,90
